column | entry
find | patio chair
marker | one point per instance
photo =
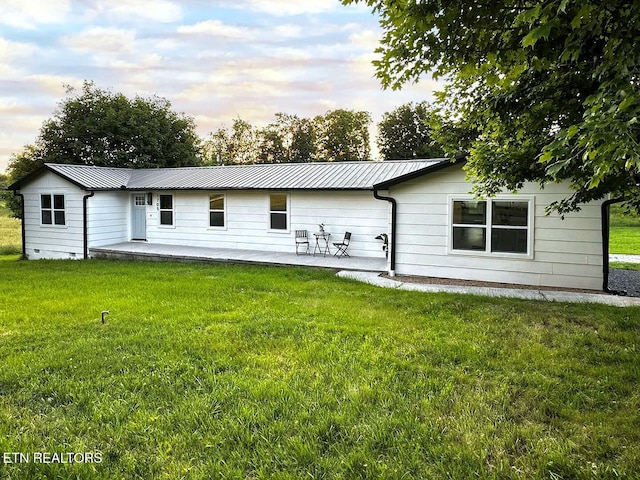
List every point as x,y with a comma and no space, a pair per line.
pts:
341,247
302,239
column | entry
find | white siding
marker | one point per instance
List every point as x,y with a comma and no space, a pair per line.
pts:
247,220
53,241
108,218
566,253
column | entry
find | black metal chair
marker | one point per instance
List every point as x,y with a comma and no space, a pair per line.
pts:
302,239
341,247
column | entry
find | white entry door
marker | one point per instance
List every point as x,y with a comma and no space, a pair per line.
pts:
139,217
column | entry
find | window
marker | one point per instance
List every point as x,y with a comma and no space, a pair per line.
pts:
166,209
509,227
216,210
492,226
52,210
469,225
278,211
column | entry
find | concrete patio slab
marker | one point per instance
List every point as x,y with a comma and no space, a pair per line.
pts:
162,252
358,268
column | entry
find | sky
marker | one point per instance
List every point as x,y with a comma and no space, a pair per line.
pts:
213,60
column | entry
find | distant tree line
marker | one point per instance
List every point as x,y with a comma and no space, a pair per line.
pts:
97,127
337,136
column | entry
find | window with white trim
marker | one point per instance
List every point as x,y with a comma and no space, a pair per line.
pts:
216,210
52,209
278,211
166,210
496,226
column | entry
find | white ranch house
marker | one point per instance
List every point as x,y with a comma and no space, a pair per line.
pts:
435,226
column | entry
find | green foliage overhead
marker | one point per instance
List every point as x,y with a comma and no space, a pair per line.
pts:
406,133
536,91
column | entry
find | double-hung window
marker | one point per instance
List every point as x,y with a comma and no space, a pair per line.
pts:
278,211
496,226
166,210
216,210
52,211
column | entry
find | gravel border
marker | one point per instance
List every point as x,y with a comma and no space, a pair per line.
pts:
625,280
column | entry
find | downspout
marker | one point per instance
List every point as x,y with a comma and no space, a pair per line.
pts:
604,213
24,240
392,242
85,232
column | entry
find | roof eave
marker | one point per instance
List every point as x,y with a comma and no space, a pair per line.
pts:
257,189
461,160
15,186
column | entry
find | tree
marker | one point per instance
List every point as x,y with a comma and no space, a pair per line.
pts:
5,197
271,147
343,135
303,141
243,142
97,127
536,91
238,146
215,149
406,133
339,135
288,139
20,165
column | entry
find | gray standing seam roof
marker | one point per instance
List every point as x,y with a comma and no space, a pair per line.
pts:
283,176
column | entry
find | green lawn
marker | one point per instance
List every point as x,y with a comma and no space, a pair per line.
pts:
256,372
625,240
625,232
10,233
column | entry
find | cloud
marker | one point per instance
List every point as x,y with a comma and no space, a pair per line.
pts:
52,86
162,11
367,40
281,8
288,31
10,51
30,14
216,28
101,39
212,59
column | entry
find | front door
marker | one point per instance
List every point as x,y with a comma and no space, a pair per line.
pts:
139,217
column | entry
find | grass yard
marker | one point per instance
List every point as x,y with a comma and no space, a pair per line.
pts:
625,240
625,232
625,265
10,233
256,372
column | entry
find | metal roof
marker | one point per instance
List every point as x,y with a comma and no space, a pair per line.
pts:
93,178
284,176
